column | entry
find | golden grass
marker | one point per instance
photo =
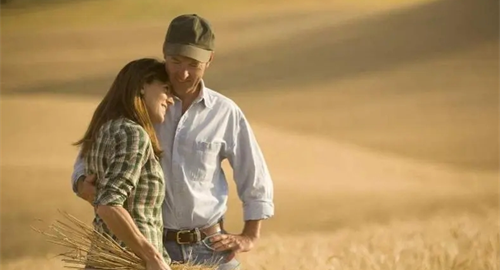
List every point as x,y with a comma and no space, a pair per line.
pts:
327,217
86,247
443,242
329,194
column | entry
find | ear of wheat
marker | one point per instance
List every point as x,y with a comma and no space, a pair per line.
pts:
89,248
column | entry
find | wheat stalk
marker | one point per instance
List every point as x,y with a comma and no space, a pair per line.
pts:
89,248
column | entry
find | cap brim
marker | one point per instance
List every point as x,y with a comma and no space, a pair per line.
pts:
190,51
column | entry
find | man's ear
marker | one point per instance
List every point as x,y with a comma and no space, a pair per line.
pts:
211,59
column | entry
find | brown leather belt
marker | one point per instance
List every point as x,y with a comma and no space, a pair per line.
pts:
183,237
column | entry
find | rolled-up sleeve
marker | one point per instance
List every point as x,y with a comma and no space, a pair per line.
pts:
124,166
250,172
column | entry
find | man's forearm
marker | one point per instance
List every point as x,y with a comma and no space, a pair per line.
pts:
78,172
77,184
252,229
121,224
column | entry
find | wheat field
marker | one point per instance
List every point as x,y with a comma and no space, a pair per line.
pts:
446,242
378,120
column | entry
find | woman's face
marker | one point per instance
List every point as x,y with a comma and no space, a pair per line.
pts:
157,97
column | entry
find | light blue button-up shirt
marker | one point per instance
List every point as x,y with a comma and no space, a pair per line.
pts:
195,143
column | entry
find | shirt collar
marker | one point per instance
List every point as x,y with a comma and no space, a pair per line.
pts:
205,95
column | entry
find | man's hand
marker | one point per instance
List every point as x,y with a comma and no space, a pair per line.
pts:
86,188
234,242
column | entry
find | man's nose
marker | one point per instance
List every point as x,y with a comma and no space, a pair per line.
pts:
170,100
183,74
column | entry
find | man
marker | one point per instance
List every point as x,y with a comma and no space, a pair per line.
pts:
202,129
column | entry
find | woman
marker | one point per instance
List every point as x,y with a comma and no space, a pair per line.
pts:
120,146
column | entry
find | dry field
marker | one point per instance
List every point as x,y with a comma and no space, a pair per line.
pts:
379,122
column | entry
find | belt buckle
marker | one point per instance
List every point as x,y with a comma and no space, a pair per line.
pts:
178,238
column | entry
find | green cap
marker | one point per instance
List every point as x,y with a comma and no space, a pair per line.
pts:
191,36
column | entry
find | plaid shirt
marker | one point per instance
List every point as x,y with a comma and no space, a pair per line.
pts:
128,175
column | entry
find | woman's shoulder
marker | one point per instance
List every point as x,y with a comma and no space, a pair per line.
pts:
124,127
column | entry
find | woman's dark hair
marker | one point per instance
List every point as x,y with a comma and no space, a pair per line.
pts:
125,100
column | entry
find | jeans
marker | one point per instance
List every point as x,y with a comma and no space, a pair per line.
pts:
200,253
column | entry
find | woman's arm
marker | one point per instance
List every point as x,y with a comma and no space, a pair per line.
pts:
121,224
127,156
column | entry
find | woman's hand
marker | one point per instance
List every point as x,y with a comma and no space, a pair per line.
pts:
157,263
121,224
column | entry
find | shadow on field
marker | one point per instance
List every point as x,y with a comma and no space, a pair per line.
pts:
22,4
342,51
330,54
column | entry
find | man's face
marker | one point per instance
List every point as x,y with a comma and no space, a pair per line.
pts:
185,73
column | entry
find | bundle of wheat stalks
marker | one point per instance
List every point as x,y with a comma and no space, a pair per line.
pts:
105,253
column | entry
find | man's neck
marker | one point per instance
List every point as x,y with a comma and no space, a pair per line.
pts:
189,96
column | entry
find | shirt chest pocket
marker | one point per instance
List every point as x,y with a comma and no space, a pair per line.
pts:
201,160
